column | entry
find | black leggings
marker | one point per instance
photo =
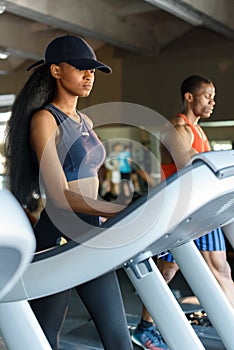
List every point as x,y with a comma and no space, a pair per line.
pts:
103,301
101,296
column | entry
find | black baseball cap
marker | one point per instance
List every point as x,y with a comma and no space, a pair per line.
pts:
74,51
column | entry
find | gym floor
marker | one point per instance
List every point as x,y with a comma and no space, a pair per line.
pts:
78,326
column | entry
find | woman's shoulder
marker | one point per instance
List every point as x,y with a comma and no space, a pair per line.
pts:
43,116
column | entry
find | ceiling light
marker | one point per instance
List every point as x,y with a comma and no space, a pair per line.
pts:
4,54
6,100
2,7
4,117
178,10
218,124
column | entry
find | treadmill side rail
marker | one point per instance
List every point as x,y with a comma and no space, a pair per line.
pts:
221,163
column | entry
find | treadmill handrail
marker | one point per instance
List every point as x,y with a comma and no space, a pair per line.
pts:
212,159
168,206
112,221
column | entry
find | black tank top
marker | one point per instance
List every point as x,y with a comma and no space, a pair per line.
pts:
80,151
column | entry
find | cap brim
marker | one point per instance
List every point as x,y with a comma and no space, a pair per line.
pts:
89,63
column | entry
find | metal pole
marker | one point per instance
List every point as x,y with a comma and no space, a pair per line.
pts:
20,328
161,303
229,233
208,291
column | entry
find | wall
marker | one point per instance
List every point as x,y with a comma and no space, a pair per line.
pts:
220,133
107,87
155,81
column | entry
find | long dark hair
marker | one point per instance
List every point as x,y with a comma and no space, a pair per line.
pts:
21,168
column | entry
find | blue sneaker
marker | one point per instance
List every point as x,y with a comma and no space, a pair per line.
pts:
149,338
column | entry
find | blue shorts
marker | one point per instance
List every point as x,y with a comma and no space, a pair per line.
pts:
212,241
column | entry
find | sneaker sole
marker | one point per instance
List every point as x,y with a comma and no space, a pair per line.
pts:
135,341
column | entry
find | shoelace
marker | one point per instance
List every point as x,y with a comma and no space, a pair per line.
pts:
154,336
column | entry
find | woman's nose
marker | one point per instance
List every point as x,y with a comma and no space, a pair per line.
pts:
89,74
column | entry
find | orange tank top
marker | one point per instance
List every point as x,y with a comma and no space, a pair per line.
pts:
200,144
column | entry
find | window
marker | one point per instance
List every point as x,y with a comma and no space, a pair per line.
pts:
221,145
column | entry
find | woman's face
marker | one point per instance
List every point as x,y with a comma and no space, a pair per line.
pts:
74,81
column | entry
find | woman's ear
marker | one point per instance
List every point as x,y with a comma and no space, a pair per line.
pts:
55,70
188,97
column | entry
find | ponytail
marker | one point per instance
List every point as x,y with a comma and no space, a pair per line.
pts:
21,168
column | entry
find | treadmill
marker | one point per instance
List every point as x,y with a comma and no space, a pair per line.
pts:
195,200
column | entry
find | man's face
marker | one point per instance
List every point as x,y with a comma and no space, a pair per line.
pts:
203,101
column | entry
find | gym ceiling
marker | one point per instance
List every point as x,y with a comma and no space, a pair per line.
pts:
145,27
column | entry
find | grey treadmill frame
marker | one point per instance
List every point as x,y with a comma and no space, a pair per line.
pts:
168,227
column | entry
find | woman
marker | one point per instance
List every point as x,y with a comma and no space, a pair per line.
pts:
46,132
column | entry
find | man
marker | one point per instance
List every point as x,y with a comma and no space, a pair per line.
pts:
177,148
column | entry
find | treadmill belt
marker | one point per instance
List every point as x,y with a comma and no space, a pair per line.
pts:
86,337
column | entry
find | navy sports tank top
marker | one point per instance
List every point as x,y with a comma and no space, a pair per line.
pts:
80,151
